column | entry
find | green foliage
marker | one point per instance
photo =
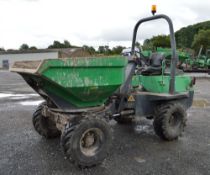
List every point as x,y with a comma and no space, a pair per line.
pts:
107,51
33,48
157,41
24,47
101,49
185,36
67,44
2,49
117,50
89,49
147,45
161,41
58,45
104,50
137,44
202,38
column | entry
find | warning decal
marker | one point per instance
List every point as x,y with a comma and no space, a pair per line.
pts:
131,98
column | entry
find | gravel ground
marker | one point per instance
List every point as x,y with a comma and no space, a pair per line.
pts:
136,149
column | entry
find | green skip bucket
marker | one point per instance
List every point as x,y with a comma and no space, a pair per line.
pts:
81,82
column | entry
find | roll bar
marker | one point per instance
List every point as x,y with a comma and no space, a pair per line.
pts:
174,58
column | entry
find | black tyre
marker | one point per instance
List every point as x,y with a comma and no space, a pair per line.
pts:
43,125
170,121
87,143
123,119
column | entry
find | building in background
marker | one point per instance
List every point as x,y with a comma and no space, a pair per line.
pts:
7,58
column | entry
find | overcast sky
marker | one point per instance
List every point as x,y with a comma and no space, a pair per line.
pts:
91,22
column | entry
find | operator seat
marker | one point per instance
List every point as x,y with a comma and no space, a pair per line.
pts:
155,65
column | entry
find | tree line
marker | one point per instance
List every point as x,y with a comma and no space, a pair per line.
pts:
192,36
105,50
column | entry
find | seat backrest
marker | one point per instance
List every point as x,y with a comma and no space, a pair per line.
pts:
156,59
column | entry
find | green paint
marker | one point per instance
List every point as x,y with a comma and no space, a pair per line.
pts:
147,53
135,81
87,82
160,84
202,62
83,82
167,52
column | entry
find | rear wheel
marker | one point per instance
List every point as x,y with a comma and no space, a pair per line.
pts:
43,125
170,121
87,144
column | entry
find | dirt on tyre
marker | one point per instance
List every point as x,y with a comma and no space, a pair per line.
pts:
87,143
170,121
43,125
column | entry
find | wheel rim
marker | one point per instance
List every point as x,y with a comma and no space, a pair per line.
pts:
91,141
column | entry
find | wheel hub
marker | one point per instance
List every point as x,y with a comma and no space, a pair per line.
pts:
90,141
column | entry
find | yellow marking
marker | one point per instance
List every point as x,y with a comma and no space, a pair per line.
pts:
201,103
131,98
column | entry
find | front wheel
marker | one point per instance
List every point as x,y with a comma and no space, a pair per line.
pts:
43,125
170,121
87,143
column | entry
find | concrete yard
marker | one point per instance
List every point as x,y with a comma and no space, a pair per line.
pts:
135,150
